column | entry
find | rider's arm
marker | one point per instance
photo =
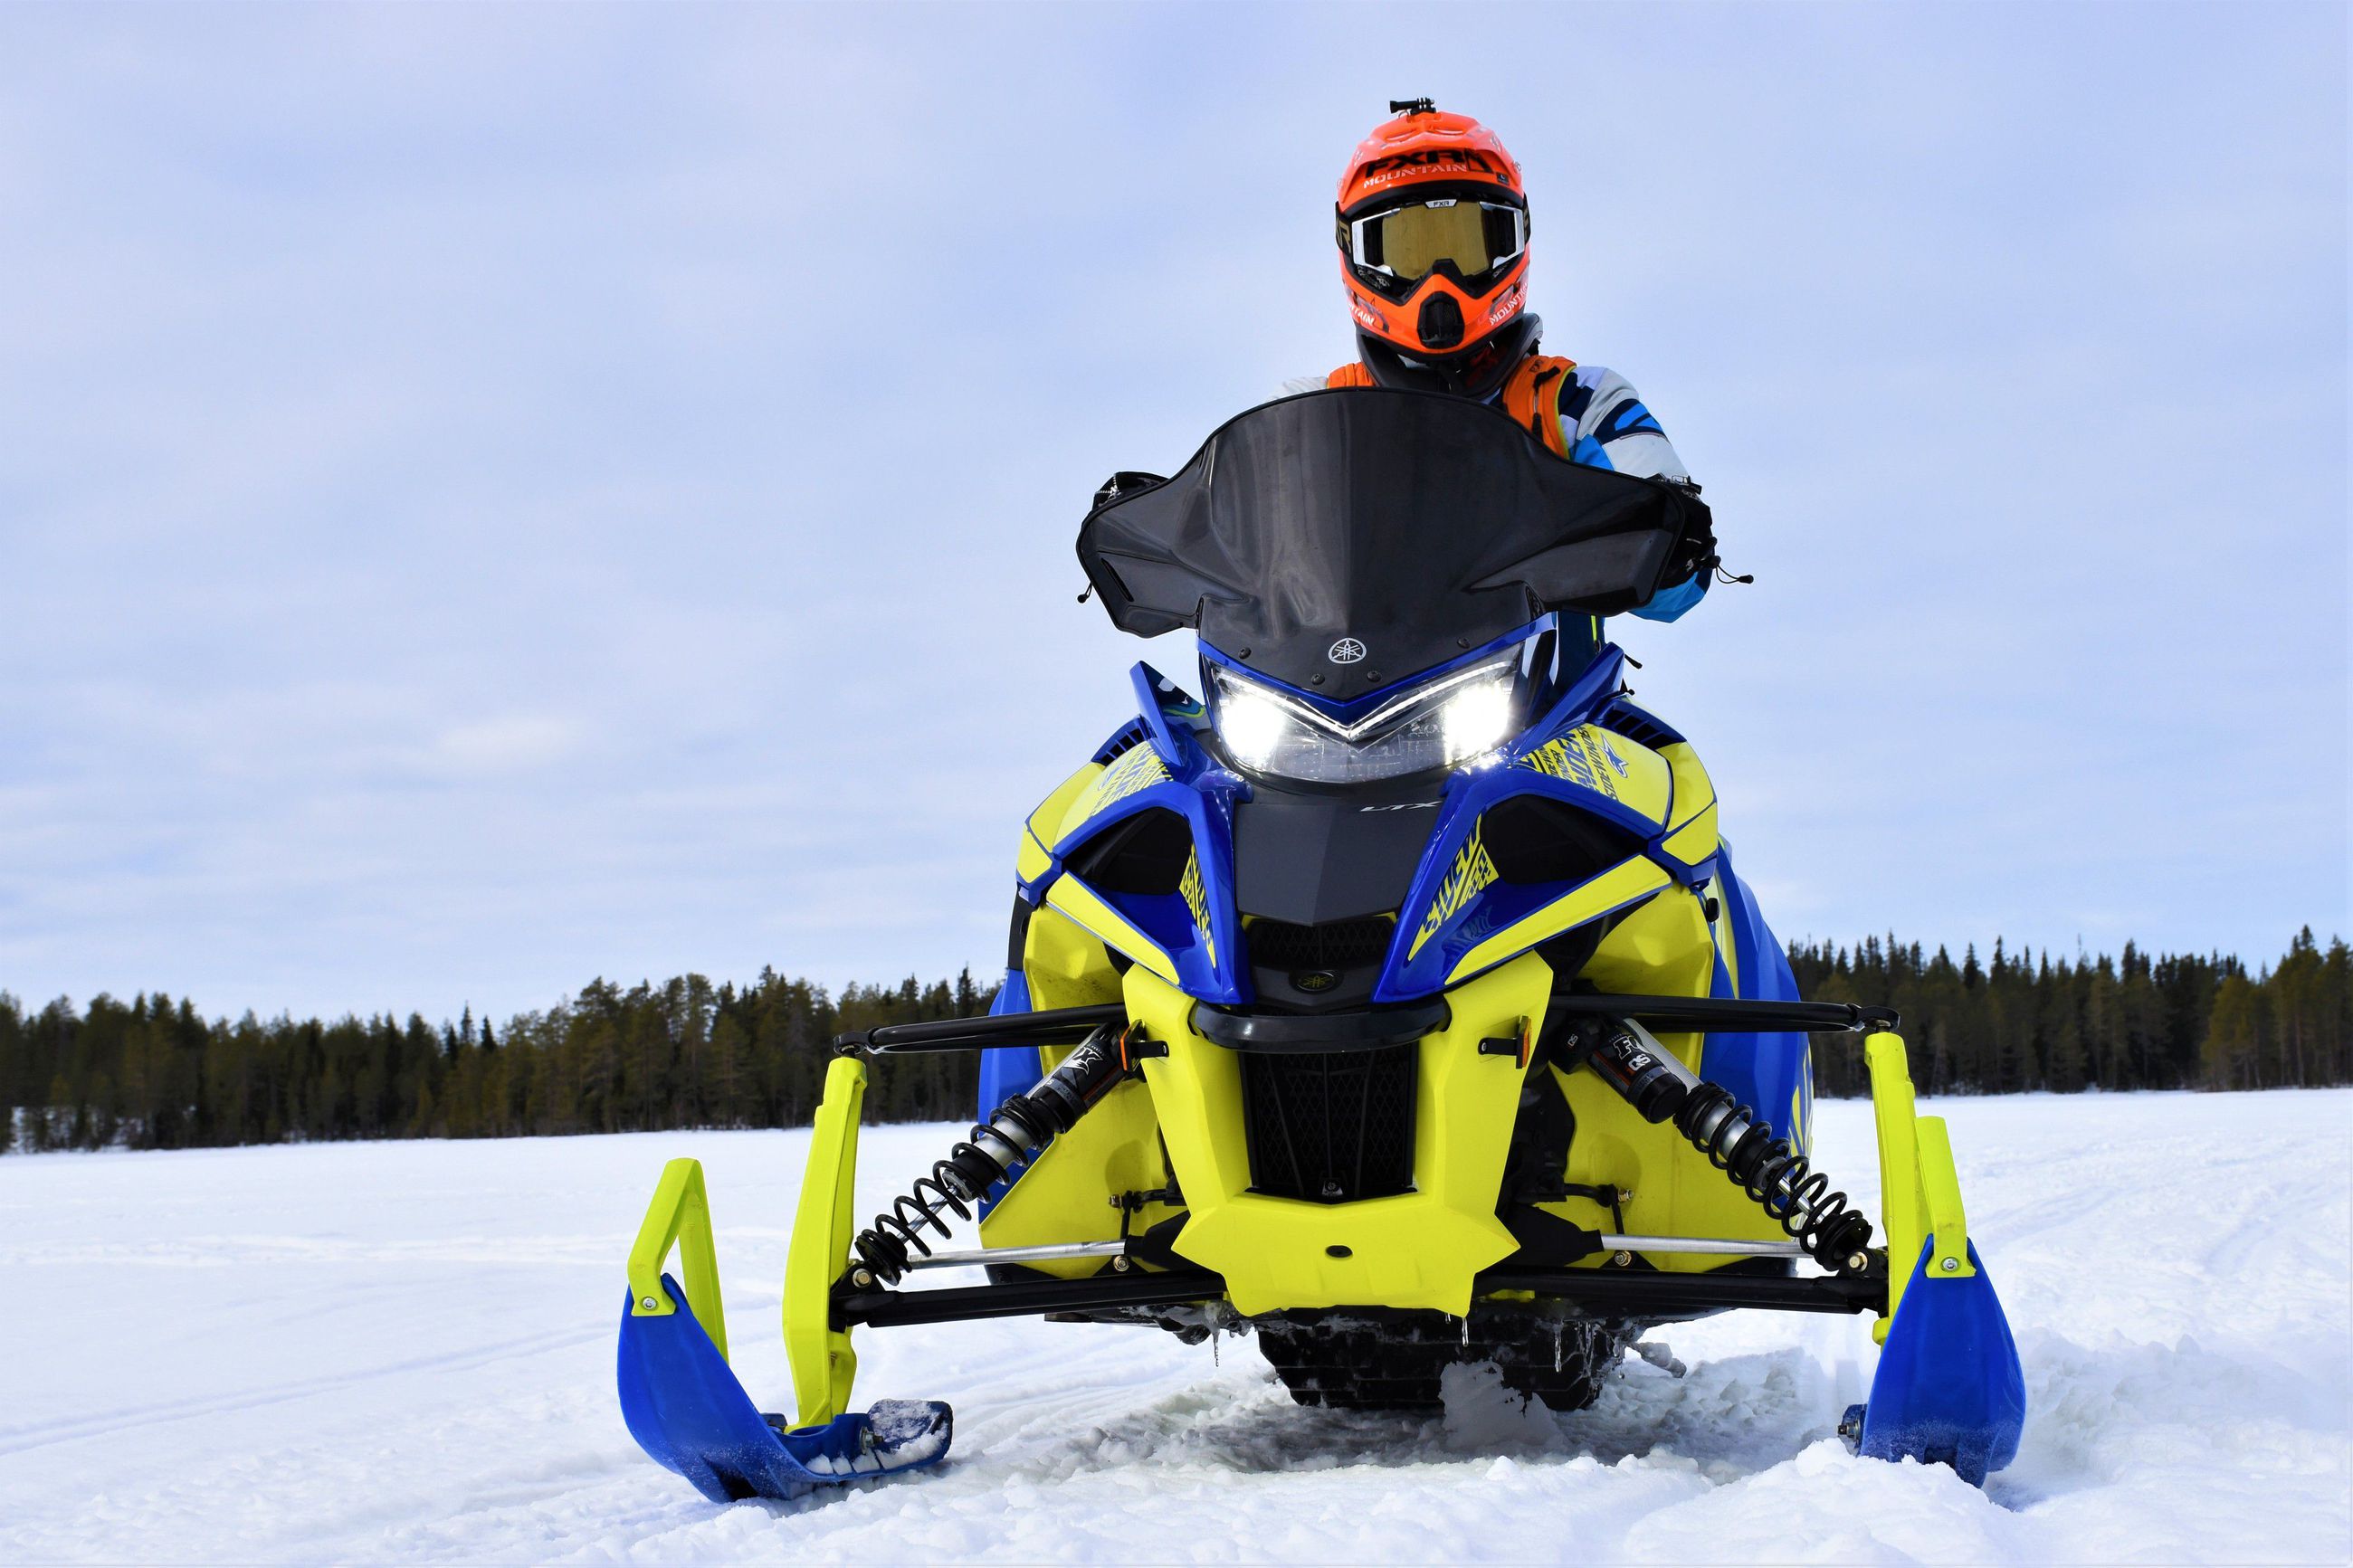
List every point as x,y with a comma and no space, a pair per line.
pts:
1607,426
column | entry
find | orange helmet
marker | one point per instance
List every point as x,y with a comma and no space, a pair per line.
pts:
1433,228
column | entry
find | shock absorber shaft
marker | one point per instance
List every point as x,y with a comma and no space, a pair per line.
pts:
1018,1130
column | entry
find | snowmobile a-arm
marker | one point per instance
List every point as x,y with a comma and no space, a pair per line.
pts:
1633,1294
1054,1027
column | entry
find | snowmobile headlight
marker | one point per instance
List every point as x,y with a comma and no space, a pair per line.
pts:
1442,723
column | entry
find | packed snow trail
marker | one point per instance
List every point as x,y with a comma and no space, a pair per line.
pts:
403,1351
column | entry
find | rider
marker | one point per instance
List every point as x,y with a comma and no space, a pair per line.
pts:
1433,233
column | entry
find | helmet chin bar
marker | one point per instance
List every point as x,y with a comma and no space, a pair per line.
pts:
1478,372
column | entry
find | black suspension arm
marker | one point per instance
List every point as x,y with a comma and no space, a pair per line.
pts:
1068,1026
1056,1026
1609,1290
1704,1015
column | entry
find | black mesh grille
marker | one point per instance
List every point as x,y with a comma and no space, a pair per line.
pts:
1330,1126
1637,726
1340,944
1124,739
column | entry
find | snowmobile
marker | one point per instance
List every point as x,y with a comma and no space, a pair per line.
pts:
1395,999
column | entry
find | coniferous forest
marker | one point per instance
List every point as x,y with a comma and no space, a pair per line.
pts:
154,1072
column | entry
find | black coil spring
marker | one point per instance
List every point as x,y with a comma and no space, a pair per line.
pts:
1776,1178
890,1246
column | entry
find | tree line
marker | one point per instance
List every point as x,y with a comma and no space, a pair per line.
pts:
2029,1021
154,1073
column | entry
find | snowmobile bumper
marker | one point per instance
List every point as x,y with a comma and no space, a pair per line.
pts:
683,1404
1949,1387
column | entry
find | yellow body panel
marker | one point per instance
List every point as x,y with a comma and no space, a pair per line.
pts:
1631,879
1078,901
1695,840
1046,823
1417,1249
1031,861
1664,948
1067,965
1920,1190
1902,1216
822,1363
1695,790
1940,1194
1066,1194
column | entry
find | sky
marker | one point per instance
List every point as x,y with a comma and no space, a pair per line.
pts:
493,497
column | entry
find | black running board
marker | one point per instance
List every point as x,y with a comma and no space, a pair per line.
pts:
1643,1294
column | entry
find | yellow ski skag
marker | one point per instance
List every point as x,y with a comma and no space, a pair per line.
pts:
1395,1000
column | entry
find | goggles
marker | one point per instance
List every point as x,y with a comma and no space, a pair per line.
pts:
1395,248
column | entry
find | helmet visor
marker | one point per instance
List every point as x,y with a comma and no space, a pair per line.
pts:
1399,245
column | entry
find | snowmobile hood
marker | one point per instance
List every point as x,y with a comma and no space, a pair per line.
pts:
1350,539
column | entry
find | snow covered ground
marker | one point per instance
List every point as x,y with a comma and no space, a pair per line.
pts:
403,1351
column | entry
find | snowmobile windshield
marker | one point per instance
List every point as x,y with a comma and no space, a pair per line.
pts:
1347,541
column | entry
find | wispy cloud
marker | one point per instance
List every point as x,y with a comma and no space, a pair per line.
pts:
493,496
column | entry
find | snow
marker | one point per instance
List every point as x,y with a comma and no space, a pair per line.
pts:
403,1351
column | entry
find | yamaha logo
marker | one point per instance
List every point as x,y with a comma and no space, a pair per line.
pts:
1347,650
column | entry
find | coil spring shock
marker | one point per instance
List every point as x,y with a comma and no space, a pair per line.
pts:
1776,1178
1017,1130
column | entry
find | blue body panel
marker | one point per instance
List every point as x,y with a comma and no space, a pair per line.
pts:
1204,944
1413,973
1207,963
686,1409
1949,1389
1006,1072
1771,1073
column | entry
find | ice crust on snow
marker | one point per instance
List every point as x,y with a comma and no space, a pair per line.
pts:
402,1351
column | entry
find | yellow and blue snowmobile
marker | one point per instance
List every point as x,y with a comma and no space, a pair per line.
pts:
1395,999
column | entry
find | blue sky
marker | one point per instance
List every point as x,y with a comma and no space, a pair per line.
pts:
492,496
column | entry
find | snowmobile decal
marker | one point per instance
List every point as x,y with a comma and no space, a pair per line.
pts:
1138,769
1628,882
1471,871
1190,886
1610,765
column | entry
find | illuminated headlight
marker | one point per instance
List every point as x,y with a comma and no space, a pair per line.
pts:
1444,723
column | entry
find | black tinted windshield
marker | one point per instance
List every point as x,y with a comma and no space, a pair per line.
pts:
1414,523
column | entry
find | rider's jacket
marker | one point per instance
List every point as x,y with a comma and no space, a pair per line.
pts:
1588,415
